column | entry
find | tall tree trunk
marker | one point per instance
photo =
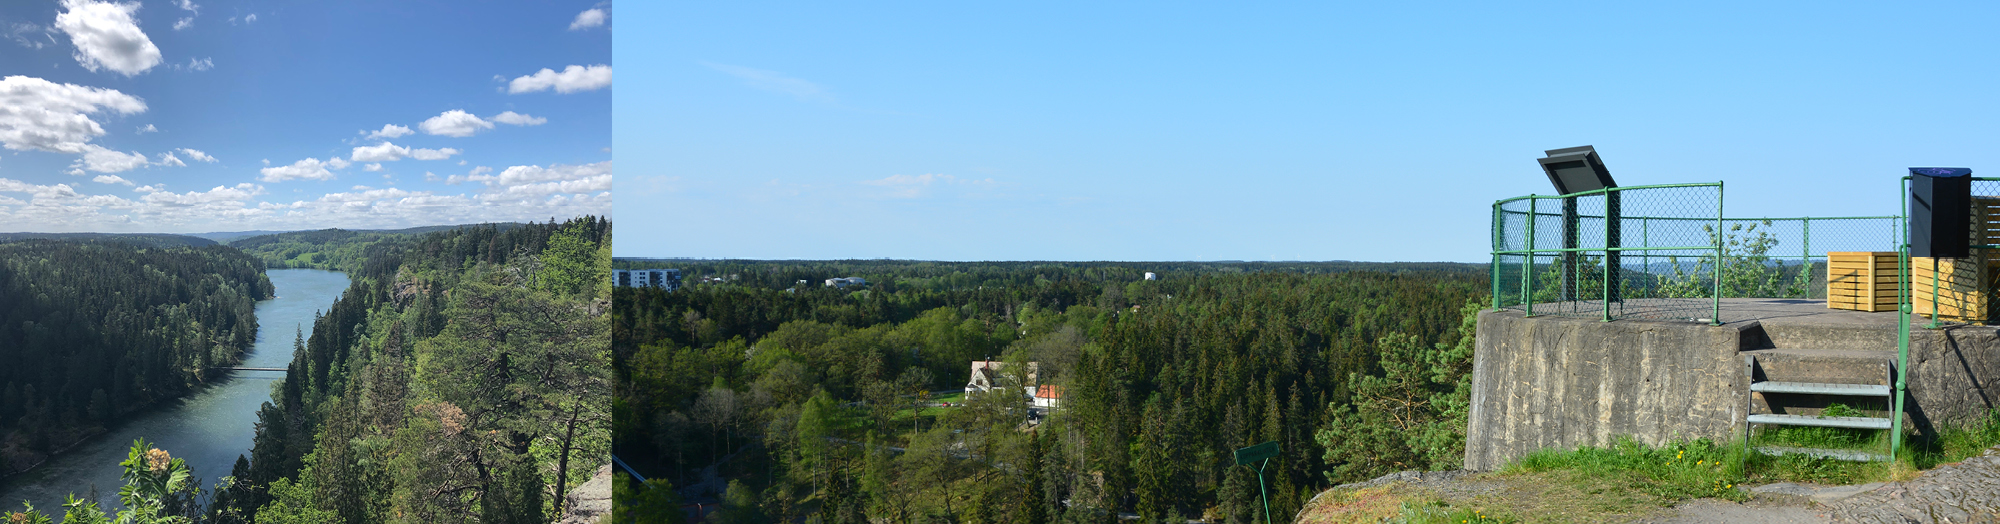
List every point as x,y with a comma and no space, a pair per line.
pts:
562,460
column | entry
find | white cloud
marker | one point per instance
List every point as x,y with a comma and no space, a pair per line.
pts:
111,179
383,152
252,17
189,6
106,36
455,122
168,159
774,81
310,168
478,174
25,34
389,131
433,154
43,115
197,64
572,79
198,155
513,118
906,186
337,163
372,167
148,129
219,195
587,19
150,188
183,23
105,160
388,152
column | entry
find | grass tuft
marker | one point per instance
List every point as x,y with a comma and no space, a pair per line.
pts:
1678,471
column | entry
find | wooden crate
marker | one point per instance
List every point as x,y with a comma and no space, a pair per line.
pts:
1964,288
1861,280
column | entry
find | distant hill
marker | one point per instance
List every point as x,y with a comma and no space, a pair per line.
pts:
336,249
138,239
226,236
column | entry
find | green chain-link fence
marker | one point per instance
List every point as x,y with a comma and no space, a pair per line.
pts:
1660,247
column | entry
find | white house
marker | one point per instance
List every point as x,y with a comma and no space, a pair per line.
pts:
844,282
1151,276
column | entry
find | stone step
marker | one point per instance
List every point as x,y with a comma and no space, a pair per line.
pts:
1823,366
1824,422
1814,388
1850,455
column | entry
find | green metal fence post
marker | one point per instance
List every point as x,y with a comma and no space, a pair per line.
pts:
1646,240
1607,254
1528,269
1499,230
1903,285
1716,319
1805,252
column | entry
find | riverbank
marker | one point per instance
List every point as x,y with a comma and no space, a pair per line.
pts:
210,427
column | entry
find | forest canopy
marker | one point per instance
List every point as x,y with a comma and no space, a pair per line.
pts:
849,403
92,331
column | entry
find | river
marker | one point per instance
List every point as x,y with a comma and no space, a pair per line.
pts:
209,428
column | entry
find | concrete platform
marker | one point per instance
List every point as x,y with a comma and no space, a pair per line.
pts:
1557,381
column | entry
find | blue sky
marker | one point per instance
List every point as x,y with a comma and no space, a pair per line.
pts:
1303,131
226,115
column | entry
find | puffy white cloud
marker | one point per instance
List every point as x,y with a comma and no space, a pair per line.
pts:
310,168
111,179
218,195
587,19
197,64
433,154
183,23
529,181
572,79
478,174
454,123
105,160
389,131
382,152
337,163
43,115
198,155
251,18
389,152
106,36
189,6
168,159
513,118
372,167
148,129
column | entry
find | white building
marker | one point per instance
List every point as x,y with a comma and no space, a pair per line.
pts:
844,282
1151,276
668,279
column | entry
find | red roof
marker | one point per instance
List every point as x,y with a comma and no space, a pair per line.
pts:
1047,391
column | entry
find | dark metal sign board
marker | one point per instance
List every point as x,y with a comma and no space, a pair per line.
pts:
1257,452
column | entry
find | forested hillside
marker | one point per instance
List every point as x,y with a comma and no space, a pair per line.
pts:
464,376
831,402
90,331
336,249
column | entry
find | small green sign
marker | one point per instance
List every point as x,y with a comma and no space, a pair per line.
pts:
1258,452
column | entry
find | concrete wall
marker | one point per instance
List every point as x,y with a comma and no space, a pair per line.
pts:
1558,382
1552,382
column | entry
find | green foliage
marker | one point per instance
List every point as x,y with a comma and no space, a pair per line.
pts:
1161,380
158,489
1413,416
652,501
1677,471
445,383
1748,270
94,331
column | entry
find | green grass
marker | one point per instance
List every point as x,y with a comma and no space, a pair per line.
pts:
1683,470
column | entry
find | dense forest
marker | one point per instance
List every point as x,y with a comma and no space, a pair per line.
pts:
463,377
93,330
779,399
336,249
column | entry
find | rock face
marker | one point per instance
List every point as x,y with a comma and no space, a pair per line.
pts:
591,502
1968,491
